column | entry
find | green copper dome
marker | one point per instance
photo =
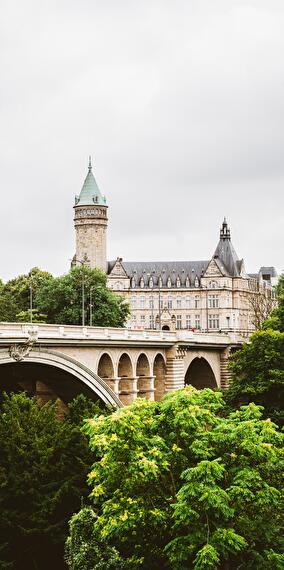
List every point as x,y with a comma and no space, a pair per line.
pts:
90,193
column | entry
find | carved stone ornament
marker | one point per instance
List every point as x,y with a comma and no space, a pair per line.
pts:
20,351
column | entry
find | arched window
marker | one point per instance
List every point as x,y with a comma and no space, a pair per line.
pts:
151,282
169,282
196,282
118,286
213,284
142,283
133,282
187,282
160,282
178,282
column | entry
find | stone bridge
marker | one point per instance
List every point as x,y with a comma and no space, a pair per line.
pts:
113,364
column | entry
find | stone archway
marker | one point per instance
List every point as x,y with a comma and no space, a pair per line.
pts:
159,369
144,379
106,371
54,374
200,374
127,381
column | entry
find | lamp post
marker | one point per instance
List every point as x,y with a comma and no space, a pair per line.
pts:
83,262
91,302
31,301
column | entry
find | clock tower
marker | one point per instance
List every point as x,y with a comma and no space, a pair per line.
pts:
90,224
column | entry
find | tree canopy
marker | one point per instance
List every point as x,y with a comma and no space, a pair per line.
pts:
44,465
258,367
59,299
176,485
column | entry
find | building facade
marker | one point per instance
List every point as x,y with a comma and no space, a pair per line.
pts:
210,295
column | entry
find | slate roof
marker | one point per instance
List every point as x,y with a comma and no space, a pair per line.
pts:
165,269
226,253
90,193
268,271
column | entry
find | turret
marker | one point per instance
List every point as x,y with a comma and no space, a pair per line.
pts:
91,224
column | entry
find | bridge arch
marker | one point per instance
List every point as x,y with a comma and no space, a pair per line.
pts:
144,377
105,370
200,374
159,371
64,364
127,381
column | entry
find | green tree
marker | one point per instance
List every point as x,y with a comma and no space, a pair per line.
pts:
276,319
258,367
44,464
177,485
15,294
61,299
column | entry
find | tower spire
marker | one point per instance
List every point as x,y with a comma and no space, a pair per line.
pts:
90,163
225,231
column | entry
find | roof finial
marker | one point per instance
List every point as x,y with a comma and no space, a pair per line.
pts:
90,163
225,230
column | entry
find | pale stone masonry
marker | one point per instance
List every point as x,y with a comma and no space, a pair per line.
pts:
211,295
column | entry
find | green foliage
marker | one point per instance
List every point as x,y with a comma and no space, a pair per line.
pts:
44,464
15,294
24,316
177,485
61,299
276,319
258,367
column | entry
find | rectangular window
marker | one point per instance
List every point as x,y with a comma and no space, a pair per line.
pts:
178,303
197,321
188,321
213,301
213,321
187,302
179,322
161,303
142,302
170,304
151,322
134,319
133,302
151,303
196,303
142,319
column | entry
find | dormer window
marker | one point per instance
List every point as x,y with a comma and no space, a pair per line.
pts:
169,282
133,282
178,282
187,282
142,283
160,282
151,282
196,282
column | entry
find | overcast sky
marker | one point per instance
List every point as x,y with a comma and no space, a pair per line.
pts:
179,102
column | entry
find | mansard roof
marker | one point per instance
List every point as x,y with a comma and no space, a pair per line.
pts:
90,193
174,270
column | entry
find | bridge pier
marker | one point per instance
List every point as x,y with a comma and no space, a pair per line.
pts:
128,389
225,373
174,369
145,386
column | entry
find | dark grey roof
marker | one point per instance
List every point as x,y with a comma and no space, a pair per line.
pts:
184,270
268,271
226,253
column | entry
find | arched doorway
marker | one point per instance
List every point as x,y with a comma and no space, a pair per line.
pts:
106,371
159,376
200,374
144,380
127,385
165,328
